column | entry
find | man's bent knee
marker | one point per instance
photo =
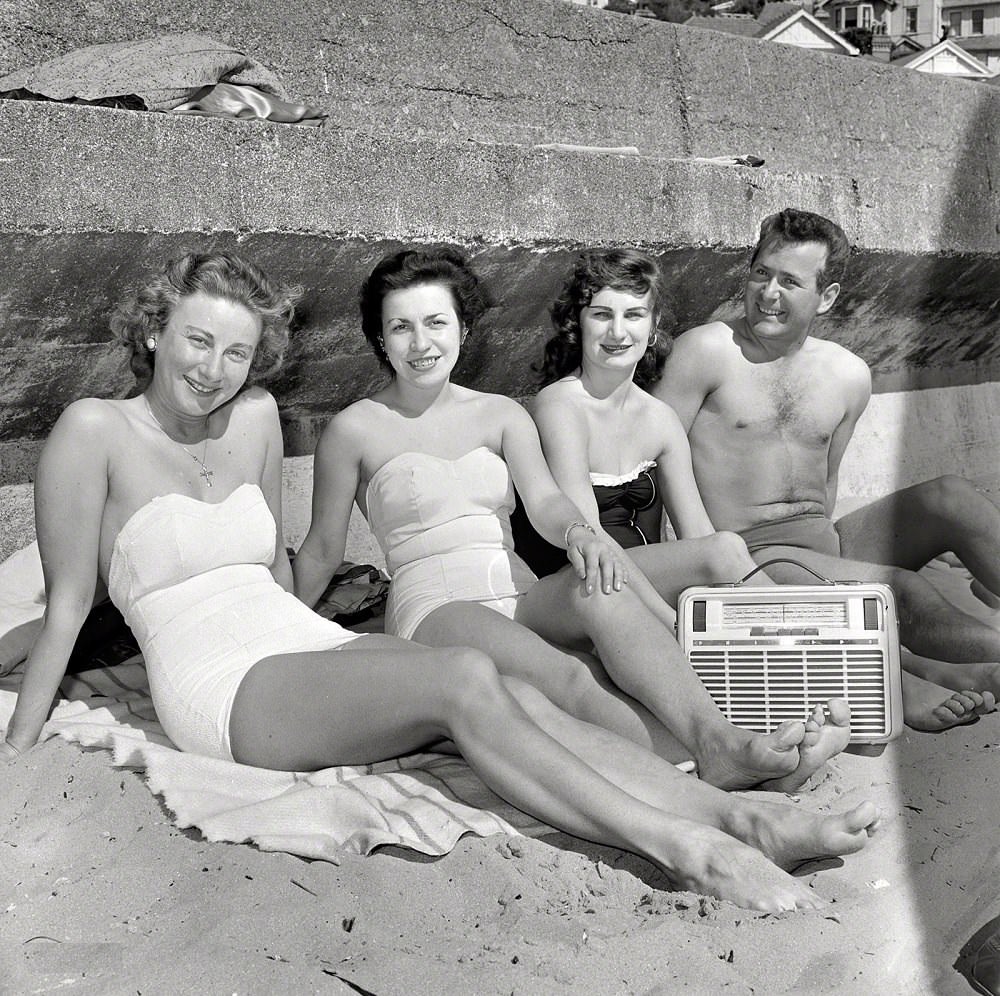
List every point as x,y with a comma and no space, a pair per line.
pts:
945,496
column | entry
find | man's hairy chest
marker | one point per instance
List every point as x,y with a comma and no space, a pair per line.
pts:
778,404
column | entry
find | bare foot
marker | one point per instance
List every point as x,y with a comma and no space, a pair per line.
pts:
828,731
984,676
789,835
931,708
713,863
748,759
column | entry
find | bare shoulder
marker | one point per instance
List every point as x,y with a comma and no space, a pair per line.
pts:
651,409
82,442
564,389
699,363
563,396
349,427
841,362
657,418
711,340
492,406
256,399
256,405
494,418
699,356
92,423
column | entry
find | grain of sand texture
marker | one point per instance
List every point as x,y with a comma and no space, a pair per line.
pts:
101,893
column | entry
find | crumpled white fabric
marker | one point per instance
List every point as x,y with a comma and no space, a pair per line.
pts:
424,802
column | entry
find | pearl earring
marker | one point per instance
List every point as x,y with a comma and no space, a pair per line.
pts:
151,344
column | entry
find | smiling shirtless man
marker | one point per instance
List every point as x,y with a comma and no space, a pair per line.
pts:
769,409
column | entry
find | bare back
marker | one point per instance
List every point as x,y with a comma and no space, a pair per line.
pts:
766,435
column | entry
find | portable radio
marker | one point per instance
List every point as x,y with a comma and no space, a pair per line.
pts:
770,654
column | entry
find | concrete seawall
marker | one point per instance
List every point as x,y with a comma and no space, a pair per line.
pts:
435,109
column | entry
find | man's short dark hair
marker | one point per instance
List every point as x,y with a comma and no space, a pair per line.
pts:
792,226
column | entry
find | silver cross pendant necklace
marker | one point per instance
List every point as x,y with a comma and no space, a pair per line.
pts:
204,473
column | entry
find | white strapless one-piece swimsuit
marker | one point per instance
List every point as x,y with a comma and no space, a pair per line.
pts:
191,579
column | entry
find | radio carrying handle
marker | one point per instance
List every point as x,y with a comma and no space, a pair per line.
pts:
783,560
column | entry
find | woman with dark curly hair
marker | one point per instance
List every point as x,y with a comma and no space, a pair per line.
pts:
621,455
431,465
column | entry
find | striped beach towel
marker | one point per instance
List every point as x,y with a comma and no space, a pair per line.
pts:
424,802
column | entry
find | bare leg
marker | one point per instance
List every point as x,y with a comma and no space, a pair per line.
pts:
645,661
984,594
313,710
788,835
912,526
927,704
726,756
984,677
828,732
925,709
929,623
574,681
672,567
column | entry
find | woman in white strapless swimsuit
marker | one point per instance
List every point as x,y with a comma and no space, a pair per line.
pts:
173,499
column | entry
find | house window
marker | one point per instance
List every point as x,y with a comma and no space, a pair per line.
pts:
850,18
867,15
954,24
977,21
911,20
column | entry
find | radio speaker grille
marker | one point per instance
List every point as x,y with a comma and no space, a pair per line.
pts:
758,688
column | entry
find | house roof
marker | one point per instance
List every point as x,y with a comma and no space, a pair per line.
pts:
772,13
971,67
980,43
775,20
734,25
823,7
803,24
904,47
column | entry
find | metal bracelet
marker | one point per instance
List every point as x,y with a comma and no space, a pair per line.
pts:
17,752
574,525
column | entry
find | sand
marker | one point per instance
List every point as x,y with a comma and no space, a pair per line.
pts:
101,893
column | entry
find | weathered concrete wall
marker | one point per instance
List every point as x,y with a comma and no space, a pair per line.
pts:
526,71
434,108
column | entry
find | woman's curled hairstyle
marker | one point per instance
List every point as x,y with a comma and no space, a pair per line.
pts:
625,270
221,274
410,268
